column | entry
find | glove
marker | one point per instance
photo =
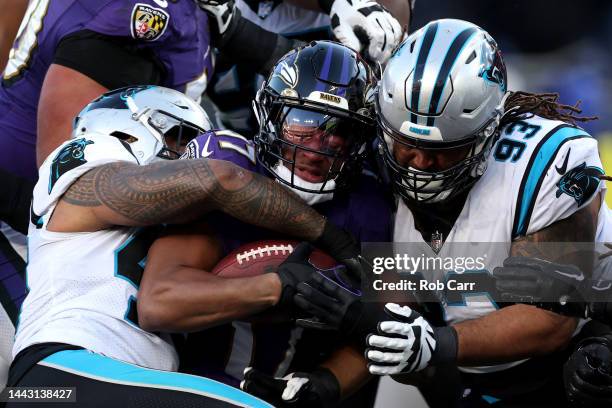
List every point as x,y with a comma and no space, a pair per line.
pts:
408,343
588,374
319,388
340,244
336,306
555,287
221,15
295,269
365,26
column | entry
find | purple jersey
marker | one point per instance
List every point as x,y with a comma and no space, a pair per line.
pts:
175,32
223,352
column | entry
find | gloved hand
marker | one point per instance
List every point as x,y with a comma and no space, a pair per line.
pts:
588,374
406,343
295,269
366,27
336,306
221,15
319,388
555,287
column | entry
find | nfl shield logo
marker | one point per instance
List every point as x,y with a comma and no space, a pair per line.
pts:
148,23
436,241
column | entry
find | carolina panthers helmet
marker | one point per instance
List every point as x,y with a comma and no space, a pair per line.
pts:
323,91
443,88
154,121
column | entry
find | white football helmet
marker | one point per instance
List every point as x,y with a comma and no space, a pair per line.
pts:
442,88
154,121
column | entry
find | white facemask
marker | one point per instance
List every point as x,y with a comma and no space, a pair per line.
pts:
310,198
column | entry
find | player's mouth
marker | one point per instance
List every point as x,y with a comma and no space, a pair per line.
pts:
310,174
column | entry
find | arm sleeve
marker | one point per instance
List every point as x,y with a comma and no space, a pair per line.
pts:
247,43
113,62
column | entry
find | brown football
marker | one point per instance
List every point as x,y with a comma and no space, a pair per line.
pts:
256,258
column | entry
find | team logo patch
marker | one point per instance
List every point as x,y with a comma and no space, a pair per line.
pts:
581,183
148,23
70,157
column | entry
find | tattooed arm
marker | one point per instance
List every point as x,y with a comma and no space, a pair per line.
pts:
522,331
179,191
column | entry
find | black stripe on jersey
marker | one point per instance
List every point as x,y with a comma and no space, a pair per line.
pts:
517,210
420,67
451,55
11,302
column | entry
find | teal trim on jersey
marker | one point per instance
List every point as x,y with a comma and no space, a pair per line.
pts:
489,399
102,368
543,155
116,255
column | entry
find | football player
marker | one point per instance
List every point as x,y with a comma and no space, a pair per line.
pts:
96,209
316,123
69,52
445,117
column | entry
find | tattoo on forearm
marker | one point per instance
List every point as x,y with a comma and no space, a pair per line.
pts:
570,237
182,190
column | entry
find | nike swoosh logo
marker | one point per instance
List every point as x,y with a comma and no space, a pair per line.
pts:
161,3
205,151
579,278
561,170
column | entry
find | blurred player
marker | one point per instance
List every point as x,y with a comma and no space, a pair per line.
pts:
445,117
316,126
96,209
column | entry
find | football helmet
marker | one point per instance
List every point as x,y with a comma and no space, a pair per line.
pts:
316,118
155,122
443,88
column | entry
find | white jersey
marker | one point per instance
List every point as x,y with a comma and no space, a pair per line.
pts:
283,17
540,171
83,285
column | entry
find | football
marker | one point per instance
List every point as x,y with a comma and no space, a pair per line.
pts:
256,258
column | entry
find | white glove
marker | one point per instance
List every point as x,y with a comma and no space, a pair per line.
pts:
365,26
410,337
221,12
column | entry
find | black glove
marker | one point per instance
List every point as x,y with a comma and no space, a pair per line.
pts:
588,374
338,306
551,286
340,244
319,388
295,269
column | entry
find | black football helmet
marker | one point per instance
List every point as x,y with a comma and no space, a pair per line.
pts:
316,103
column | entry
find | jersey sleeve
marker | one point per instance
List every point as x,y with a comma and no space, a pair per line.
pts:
140,20
223,145
69,162
561,177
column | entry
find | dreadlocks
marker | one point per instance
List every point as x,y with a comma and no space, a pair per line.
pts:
520,104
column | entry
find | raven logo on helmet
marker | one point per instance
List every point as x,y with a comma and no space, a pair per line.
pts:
70,157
